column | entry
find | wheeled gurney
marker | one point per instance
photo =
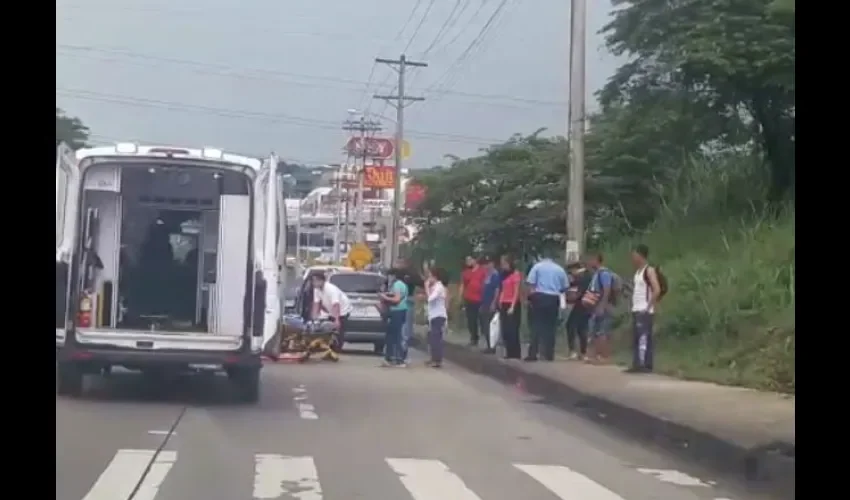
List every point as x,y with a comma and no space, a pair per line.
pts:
301,340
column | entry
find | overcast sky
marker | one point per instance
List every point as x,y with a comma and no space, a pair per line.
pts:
279,75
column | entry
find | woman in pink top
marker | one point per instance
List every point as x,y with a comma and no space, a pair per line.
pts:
510,308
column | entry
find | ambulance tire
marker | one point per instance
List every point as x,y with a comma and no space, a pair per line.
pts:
69,380
247,383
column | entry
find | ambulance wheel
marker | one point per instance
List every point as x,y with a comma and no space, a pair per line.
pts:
69,380
247,383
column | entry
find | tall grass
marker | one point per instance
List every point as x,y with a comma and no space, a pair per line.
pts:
729,315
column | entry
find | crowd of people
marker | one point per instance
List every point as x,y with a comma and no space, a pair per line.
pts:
493,293
586,292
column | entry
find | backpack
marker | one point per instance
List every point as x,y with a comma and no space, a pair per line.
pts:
662,281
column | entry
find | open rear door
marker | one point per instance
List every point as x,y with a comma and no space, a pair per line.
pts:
67,195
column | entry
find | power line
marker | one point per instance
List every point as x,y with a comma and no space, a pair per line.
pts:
419,26
278,76
396,38
407,21
450,20
477,40
251,115
479,50
467,25
409,42
447,25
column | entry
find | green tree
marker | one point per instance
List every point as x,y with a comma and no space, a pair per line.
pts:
70,130
736,57
508,199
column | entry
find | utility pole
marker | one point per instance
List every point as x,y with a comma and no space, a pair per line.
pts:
364,127
346,188
298,237
575,131
399,101
337,215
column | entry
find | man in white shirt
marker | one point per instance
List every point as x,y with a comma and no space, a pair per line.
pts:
646,293
328,297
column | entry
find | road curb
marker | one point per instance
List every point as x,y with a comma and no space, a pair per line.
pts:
771,466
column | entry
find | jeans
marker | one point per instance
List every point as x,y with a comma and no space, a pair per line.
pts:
407,329
600,325
436,328
643,345
485,315
393,352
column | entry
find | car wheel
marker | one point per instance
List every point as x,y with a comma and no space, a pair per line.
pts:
247,383
378,348
70,380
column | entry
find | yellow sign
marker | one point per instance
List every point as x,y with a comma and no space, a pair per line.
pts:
359,256
405,150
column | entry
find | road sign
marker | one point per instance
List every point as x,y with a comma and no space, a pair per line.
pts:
405,150
375,147
379,177
359,256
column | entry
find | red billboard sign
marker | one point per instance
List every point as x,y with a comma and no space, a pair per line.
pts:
375,147
414,195
379,177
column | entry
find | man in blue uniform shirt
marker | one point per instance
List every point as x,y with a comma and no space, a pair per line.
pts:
547,282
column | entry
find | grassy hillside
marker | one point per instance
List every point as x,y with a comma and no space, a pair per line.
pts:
729,316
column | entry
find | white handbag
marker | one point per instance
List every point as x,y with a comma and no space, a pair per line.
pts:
495,331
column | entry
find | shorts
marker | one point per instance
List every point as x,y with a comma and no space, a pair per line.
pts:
600,326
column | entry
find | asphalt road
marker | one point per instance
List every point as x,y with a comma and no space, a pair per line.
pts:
351,431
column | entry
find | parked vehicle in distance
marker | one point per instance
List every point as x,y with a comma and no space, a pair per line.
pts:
366,325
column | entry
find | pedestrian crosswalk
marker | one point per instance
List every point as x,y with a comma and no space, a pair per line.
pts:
143,474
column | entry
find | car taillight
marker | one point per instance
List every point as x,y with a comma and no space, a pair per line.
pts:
84,312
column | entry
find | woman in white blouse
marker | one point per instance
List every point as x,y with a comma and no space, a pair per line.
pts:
435,288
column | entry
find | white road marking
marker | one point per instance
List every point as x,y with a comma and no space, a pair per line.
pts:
305,409
161,433
674,477
278,476
124,471
430,480
567,483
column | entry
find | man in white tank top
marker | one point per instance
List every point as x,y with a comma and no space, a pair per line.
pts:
646,289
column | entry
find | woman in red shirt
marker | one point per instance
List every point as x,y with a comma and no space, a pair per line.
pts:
510,308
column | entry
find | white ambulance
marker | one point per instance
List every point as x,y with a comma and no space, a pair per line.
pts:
162,259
